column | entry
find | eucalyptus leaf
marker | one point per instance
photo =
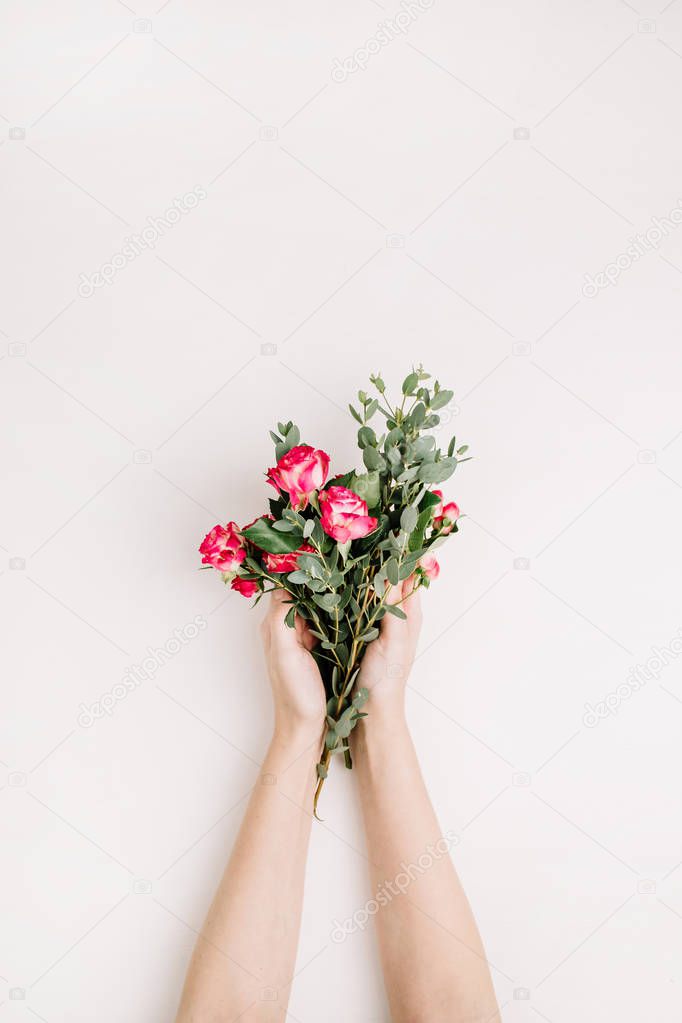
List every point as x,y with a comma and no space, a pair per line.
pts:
437,472
298,577
367,486
408,519
283,526
441,399
410,382
308,528
373,459
368,636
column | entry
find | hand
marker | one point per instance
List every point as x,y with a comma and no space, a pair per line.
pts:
297,687
388,660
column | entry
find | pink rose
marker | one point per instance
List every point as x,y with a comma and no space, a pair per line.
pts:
286,562
444,511
247,587
344,515
429,566
300,472
223,548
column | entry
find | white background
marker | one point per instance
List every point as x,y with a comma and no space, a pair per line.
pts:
396,216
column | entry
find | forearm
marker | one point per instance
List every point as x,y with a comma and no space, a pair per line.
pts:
244,959
432,956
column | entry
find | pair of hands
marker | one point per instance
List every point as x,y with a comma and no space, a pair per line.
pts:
298,690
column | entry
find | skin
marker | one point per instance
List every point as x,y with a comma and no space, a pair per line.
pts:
432,958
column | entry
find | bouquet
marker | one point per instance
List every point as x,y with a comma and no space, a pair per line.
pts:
337,545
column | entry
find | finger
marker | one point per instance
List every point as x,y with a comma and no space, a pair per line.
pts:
303,632
277,608
411,598
277,598
305,636
390,623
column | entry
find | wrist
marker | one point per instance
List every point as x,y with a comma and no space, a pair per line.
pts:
296,736
384,724
387,711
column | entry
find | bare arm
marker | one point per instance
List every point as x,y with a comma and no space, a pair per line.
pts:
432,956
244,959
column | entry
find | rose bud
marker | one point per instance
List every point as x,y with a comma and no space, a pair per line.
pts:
445,515
247,587
429,566
299,473
344,515
286,562
223,548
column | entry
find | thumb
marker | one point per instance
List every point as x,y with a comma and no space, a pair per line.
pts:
277,608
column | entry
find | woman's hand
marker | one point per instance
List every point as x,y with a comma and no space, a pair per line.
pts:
297,687
388,660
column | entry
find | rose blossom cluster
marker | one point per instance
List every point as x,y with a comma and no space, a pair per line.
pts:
301,474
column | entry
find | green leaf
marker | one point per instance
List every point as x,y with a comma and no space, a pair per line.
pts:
312,565
297,577
268,539
391,569
368,636
408,566
308,528
355,414
327,601
366,437
343,549
371,409
367,486
430,499
344,726
293,516
441,399
436,472
293,436
373,459
350,683
321,771
418,414
316,585
290,618
417,536
361,697
408,519
393,610
410,382
283,526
